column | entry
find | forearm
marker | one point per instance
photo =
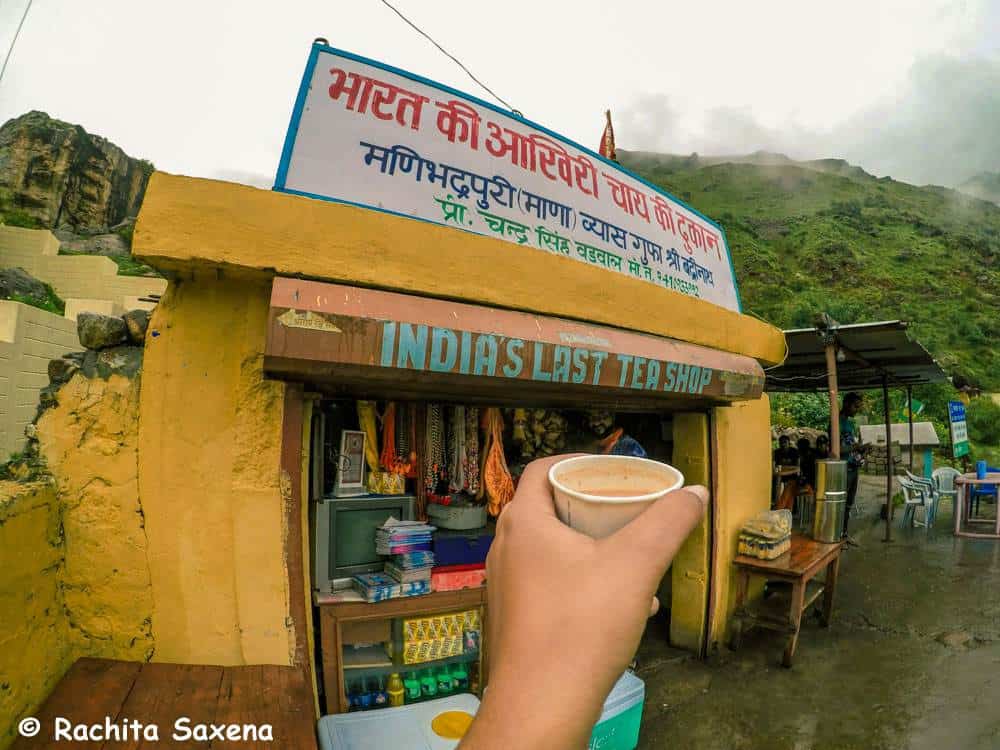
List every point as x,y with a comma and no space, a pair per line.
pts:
529,711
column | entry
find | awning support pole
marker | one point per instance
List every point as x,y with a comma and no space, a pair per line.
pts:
888,459
909,411
831,378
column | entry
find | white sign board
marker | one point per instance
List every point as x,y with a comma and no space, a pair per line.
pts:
370,135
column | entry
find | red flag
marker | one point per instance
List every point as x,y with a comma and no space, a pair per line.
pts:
607,148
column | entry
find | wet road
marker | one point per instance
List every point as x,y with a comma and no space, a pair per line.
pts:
911,661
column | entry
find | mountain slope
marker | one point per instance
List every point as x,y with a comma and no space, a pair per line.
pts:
825,236
985,186
56,175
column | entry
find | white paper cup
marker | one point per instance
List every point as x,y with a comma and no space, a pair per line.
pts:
577,484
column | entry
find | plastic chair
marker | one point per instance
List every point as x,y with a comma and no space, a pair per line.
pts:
982,492
944,482
914,496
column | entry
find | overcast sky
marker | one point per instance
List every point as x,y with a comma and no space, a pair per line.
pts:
909,88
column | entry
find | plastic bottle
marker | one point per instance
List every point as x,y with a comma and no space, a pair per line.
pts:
428,684
380,698
444,681
396,690
367,695
411,683
460,678
354,689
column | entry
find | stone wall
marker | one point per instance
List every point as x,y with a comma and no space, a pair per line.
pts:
89,440
74,572
80,280
29,338
34,645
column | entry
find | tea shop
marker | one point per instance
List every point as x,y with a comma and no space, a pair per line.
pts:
347,374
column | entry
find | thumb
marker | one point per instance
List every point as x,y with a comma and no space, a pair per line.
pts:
650,541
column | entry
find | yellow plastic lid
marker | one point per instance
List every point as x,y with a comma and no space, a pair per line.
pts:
451,725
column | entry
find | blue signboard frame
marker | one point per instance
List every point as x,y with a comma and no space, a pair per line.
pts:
300,100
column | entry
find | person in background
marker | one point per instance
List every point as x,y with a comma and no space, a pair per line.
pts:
853,451
807,463
785,454
822,448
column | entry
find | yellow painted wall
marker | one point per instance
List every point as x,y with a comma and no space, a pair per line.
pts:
34,643
187,222
29,338
689,571
82,277
90,444
742,443
210,431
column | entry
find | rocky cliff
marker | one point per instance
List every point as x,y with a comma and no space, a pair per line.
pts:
58,176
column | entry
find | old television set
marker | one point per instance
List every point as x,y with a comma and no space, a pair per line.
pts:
342,528
344,535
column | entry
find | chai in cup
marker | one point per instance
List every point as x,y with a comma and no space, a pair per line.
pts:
597,495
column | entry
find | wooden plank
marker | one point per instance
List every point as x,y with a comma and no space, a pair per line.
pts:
291,467
163,694
278,696
409,605
339,324
92,690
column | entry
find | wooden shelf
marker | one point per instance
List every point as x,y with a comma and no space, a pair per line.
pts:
333,616
466,657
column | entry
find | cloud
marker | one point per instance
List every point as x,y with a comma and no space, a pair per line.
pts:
939,127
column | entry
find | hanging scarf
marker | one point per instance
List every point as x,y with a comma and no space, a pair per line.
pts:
366,419
389,456
496,479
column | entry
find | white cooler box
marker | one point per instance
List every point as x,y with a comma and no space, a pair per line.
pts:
410,727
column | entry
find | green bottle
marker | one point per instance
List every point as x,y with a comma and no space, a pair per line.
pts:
428,684
411,684
444,681
459,678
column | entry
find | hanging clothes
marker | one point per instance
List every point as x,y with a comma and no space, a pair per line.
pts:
496,479
434,455
366,419
472,468
457,466
389,457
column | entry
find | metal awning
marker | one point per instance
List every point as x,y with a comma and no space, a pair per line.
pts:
867,352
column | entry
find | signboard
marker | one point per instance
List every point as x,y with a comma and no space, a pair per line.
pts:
396,332
959,429
373,136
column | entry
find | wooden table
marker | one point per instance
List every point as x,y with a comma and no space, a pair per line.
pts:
159,694
783,613
334,616
964,484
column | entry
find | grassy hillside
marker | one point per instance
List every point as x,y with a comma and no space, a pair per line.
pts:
825,236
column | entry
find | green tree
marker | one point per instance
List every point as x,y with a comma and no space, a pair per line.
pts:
983,418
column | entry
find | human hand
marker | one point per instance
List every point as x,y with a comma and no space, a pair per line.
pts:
566,613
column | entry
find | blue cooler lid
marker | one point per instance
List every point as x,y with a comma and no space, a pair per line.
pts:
627,692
